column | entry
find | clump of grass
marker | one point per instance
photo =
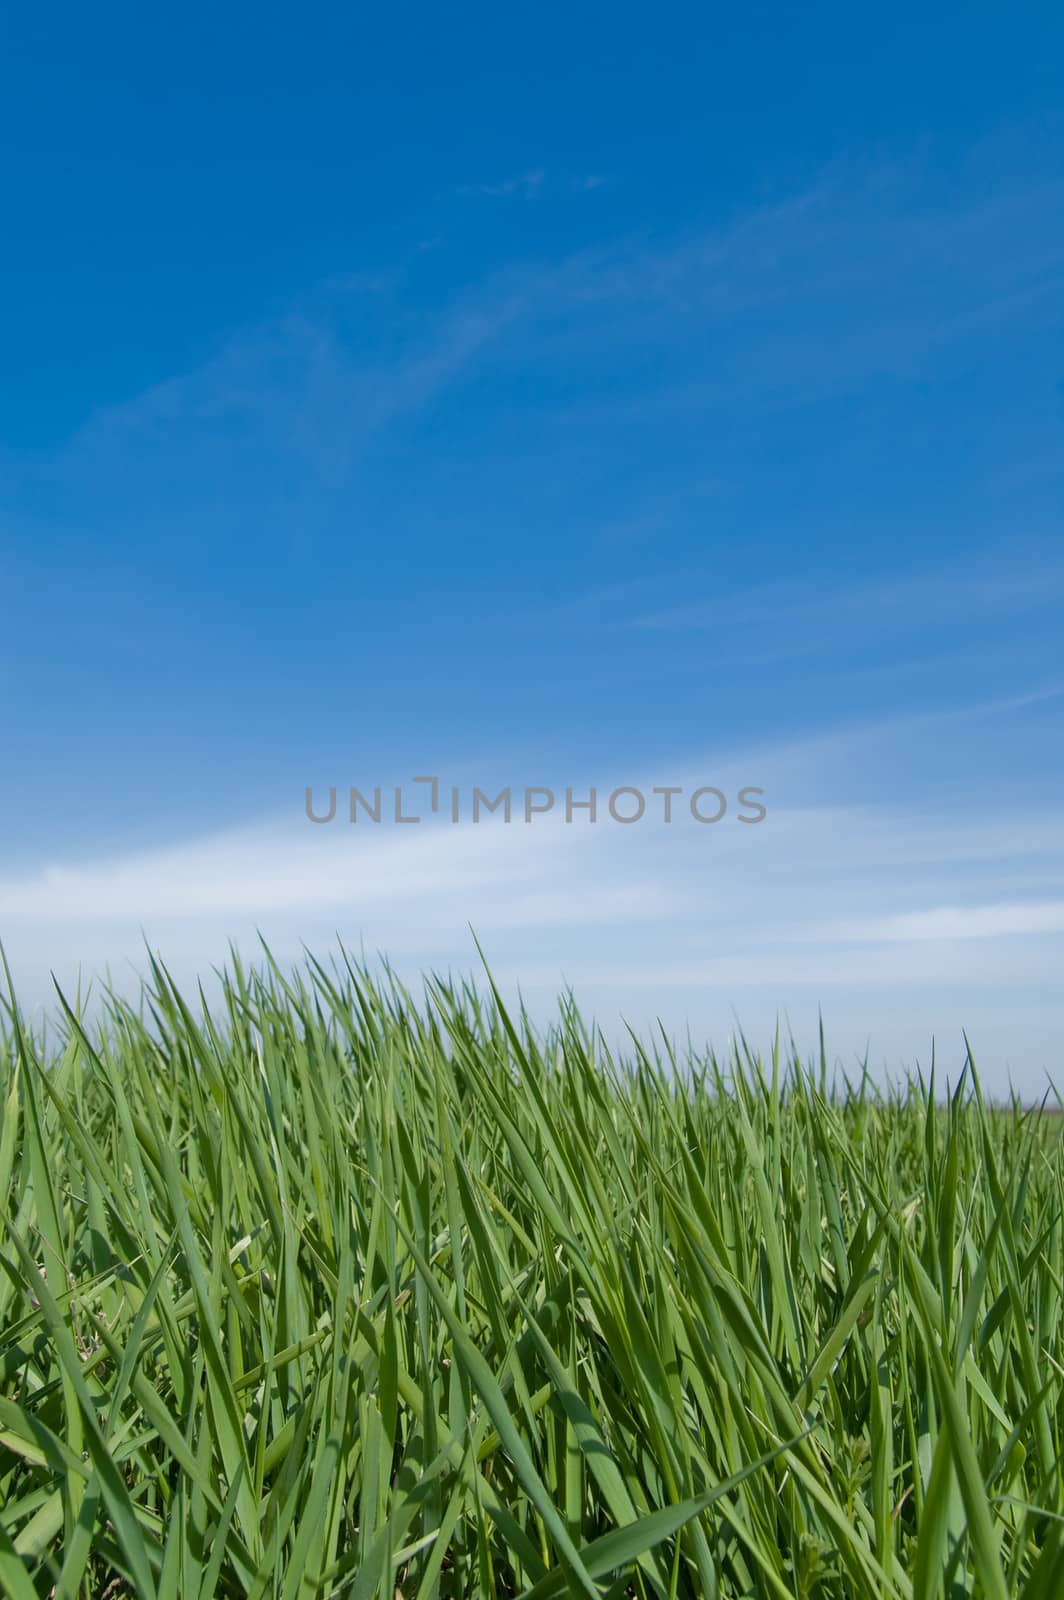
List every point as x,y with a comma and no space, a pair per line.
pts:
324,1292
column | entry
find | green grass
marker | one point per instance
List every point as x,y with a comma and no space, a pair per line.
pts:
334,1293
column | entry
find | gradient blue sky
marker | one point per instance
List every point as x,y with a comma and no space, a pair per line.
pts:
589,396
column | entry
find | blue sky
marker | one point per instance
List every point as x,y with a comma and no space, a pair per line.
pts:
590,398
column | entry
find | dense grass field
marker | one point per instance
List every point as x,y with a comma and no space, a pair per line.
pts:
334,1292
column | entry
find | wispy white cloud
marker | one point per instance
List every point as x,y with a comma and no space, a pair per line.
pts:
996,587
527,185
949,923
299,386
524,183
842,283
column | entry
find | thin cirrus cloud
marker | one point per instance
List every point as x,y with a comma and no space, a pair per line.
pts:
949,594
856,246
527,185
524,183
954,922
296,385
